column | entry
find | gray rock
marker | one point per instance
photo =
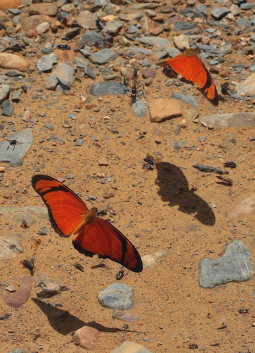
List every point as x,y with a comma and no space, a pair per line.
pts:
113,27
62,75
184,26
234,266
10,246
91,39
81,62
117,296
160,42
232,120
131,347
140,50
203,9
140,108
30,214
103,56
15,73
8,108
187,98
247,6
15,95
107,88
86,51
46,62
18,350
172,52
247,87
47,49
48,287
14,153
4,91
219,12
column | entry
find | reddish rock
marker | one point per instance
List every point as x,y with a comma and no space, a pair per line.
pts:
31,22
86,337
162,109
10,4
22,295
13,61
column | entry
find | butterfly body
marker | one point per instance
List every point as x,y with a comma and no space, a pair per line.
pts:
92,235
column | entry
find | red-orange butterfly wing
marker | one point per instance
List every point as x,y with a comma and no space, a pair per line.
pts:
102,238
191,67
66,209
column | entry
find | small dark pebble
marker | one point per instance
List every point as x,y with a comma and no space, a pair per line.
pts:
79,266
243,311
224,181
230,164
120,275
193,346
43,231
5,316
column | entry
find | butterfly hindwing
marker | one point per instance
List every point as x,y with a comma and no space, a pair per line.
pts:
102,238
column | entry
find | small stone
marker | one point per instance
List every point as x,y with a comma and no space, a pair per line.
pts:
86,337
117,296
108,195
4,92
130,347
18,350
103,162
46,62
156,41
63,74
234,266
124,316
45,8
27,115
181,42
162,109
48,287
42,27
10,4
149,261
232,120
247,87
8,108
219,12
13,61
107,88
102,56
87,20
140,108
22,295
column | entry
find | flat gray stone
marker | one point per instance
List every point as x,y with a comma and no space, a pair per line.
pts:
140,108
103,56
48,287
63,74
10,246
131,347
4,91
46,62
87,20
14,153
158,41
117,296
18,350
232,120
30,214
107,88
219,12
234,266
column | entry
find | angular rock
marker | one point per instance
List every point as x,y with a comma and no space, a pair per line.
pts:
87,20
86,337
162,109
124,316
243,208
13,61
30,214
45,8
113,27
4,91
8,108
22,295
107,88
247,87
219,12
46,62
15,147
117,296
48,287
103,56
140,108
157,41
184,26
131,347
10,246
234,266
231,120
181,42
18,350
63,75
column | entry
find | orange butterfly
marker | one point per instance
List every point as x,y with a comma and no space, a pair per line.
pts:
93,235
190,66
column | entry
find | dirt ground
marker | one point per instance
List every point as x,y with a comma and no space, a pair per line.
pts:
174,207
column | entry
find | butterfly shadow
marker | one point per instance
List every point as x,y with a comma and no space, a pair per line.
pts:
64,323
174,188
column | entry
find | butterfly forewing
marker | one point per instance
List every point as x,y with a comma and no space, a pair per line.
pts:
66,209
104,239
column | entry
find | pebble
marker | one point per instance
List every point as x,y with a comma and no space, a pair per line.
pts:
181,42
18,350
62,75
30,23
103,56
124,316
4,92
247,87
42,27
234,266
187,98
113,27
184,26
131,347
22,295
156,41
107,88
117,296
162,109
7,4
10,246
140,108
46,62
86,337
48,287
15,155
13,61
219,12
232,120
8,108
